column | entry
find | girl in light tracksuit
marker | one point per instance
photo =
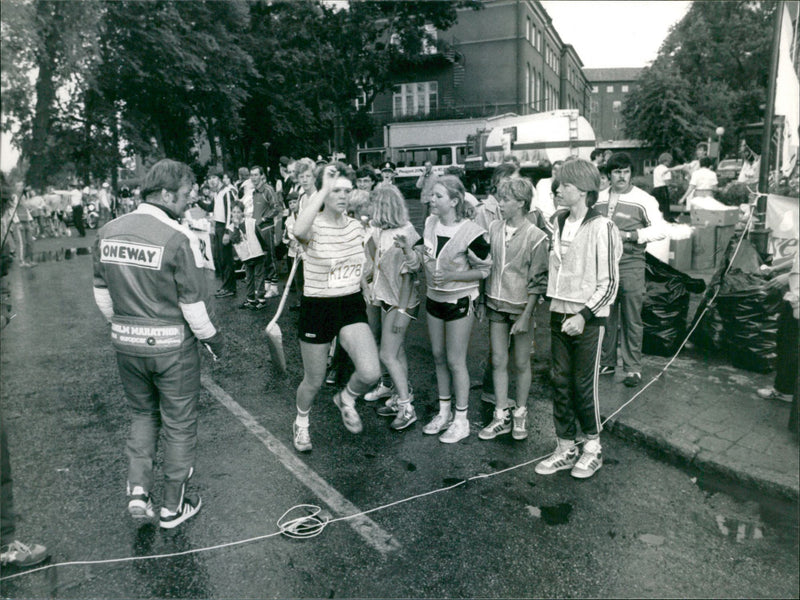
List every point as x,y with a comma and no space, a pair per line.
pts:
456,258
516,282
392,298
582,283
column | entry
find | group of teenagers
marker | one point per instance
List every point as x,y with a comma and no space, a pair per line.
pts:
361,274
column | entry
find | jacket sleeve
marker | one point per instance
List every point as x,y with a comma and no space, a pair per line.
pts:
190,281
102,297
230,197
608,250
537,271
479,255
656,227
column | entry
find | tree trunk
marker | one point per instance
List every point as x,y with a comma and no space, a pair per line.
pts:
38,152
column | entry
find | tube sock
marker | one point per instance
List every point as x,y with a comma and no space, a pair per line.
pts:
301,420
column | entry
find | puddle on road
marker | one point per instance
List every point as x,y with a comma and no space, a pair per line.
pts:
552,515
779,514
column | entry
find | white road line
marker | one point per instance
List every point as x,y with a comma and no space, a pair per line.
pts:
363,525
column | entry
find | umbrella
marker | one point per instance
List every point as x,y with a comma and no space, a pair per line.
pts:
273,330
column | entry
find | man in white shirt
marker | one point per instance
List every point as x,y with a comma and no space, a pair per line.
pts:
702,184
636,215
544,199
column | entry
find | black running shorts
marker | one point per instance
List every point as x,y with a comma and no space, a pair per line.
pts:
321,319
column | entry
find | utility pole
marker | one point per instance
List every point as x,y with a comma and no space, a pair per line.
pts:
760,234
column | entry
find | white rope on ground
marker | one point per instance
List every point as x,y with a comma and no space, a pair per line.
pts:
311,524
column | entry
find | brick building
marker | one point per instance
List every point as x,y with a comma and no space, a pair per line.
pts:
505,58
608,90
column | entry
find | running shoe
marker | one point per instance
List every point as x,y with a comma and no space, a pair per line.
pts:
457,431
17,554
632,379
439,423
495,427
302,438
519,431
591,459
140,506
406,416
562,458
379,392
772,394
170,520
390,408
350,418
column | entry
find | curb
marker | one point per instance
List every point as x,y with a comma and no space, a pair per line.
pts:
692,457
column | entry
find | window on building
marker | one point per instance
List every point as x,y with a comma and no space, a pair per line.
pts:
415,98
429,43
528,30
528,84
595,89
616,105
610,89
624,89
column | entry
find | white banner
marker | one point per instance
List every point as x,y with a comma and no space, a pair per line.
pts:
205,248
783,218
787,91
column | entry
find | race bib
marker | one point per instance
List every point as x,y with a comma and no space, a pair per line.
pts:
346,272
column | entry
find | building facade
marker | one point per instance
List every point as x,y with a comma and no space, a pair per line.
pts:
609,87
505,58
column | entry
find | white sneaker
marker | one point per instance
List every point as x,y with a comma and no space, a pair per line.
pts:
439,423
520,429
497,426
562,458
379,392
591,459
140,506
271,290
302,438
457,431
350,418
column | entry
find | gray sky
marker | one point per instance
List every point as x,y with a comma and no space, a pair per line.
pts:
615,34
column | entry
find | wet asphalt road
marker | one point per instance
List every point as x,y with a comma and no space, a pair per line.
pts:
639,528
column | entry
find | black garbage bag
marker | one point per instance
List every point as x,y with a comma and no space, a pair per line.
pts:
666,306
743,322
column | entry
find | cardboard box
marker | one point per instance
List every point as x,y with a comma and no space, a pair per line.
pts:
722,236
704,240
716,218
680,254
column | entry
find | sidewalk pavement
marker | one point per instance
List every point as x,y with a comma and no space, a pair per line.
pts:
706,414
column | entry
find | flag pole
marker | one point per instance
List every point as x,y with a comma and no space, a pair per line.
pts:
760,234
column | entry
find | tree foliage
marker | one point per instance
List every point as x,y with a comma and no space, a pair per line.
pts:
156,77
710,71
56,42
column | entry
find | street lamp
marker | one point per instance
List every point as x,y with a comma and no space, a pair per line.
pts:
715,146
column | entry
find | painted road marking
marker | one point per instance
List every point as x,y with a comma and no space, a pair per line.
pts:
341,506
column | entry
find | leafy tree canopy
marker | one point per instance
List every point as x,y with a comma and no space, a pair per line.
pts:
710,71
